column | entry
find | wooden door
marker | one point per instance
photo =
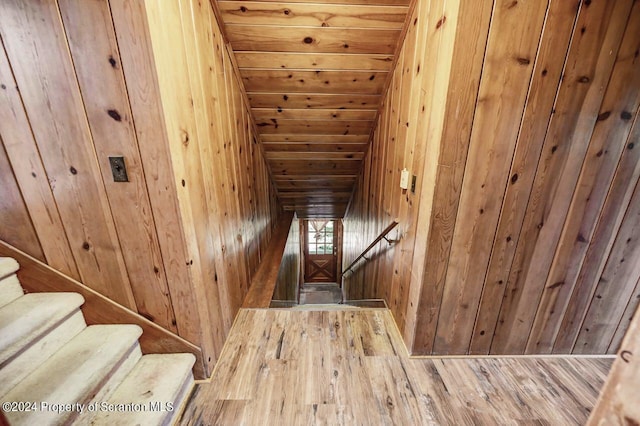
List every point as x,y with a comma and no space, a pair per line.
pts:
320,251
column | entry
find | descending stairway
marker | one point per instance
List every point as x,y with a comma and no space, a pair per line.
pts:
54,369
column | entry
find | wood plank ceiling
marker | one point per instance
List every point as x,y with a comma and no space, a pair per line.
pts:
314,74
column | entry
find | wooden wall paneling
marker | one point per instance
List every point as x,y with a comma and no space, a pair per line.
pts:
311,15
618,401
33,36
199,44
254,243
90,33
439,209
549,64
314,100
511,53
406,139
137,62
321,61
625,322
605,233
16,227
438,53
588,68
607,144
615,286
242,152
174,72
236,188
25,160
313,40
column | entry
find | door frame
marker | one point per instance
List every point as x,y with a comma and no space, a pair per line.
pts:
338,238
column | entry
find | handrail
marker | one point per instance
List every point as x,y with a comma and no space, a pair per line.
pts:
382,236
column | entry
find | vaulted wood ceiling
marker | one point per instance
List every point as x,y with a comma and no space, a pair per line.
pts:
314,74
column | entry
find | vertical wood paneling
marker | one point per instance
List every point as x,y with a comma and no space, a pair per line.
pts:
137,62
615,286
437,218
542,92
589,64
82,81
36,46
511,53
409,128
20,147
92,43
508,258
607,144
175,77
16,227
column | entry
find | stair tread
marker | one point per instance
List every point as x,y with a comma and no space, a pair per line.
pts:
10,290
75,373
8,266
156,378
30,316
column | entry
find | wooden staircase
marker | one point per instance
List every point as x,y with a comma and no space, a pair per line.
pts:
54,369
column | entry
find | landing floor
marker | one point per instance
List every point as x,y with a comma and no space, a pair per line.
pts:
286,367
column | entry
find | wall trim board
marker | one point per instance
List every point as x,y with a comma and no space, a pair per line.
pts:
36,276
264,281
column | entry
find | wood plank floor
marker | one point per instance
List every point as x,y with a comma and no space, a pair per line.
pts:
285,367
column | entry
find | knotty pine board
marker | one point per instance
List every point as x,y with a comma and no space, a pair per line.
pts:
313,114
28,170
311,15
312,40
16,227
313,100
293,81
317,61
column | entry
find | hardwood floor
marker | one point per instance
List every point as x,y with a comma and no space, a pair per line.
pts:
320,293
344,367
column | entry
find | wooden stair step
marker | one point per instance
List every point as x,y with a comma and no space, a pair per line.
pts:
10,289
8,266
86,369
156,380
30,317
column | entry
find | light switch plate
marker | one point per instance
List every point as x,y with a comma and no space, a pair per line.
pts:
118,169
